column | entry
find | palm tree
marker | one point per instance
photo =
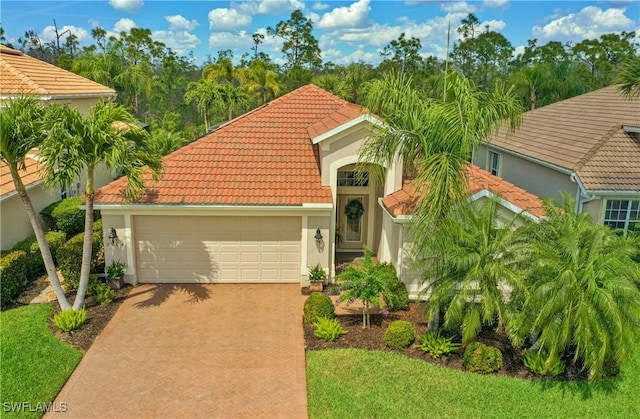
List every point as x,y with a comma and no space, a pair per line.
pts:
629,77
471,270
332,83
259,79
584,298
435,137
108,135
21,129
204,93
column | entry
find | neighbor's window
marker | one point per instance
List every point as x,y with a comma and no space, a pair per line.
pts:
494,163
624,214
351,178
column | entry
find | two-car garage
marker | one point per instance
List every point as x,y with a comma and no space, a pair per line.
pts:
229,249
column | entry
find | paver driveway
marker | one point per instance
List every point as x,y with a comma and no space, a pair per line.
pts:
196,351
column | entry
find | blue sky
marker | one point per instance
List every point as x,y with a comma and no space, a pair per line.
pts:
347,30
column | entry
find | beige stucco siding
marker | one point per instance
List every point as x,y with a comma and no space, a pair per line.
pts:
535,178
14,220
318,252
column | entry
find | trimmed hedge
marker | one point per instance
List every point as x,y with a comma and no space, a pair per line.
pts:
13,275
316,306
66,216
481,358
399,335
69,256
35,263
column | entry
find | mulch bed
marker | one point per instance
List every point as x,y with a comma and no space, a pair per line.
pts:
373,339
98,316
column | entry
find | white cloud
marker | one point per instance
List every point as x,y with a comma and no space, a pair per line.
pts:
519,50
494,3
315,18
179,41
49,33
320,6
458,7
242,41
225,19
494,25
179,23
354,16
124,25
590,22
130,6
267,7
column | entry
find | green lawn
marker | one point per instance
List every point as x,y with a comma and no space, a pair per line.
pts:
348,383
34,363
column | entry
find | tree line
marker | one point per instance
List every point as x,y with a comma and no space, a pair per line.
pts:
181,100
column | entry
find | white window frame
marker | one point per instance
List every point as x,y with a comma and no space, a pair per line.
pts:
630,214
497,157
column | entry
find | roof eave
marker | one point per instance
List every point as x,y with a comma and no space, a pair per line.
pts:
349,124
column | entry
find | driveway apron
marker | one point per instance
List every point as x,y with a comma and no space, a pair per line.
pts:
198,350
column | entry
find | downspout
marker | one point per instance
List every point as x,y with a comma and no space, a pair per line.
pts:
582,197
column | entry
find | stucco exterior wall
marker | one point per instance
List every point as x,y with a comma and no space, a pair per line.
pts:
318,252
15,224
539,180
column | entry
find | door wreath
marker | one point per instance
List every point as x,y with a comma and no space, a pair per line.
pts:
354,209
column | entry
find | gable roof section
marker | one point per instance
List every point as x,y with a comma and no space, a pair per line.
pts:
264,157
403,202
584,134
29,175
21,74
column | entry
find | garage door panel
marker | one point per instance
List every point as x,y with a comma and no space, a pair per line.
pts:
218,249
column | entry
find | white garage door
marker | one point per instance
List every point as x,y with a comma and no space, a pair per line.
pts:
217,249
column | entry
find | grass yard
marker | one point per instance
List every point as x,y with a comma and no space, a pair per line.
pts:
348,383
34,363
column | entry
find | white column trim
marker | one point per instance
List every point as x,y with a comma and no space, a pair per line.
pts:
129,248
304,246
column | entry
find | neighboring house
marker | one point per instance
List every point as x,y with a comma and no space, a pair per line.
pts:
587,146
261,199
21,75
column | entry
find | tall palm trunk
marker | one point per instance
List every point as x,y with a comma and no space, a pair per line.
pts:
42,242
87,244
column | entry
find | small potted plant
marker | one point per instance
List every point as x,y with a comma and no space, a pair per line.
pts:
115,275
317,275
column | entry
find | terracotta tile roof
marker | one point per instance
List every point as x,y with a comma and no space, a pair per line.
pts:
572,132
22,74
404,201
346,113
30,175
264,157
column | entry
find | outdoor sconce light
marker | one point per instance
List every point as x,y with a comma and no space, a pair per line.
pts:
113,237
318,237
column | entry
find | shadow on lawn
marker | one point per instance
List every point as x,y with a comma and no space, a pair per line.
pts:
160,294
585,389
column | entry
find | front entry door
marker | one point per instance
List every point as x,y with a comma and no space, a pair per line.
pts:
352,229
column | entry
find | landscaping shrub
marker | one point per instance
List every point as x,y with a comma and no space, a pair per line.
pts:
399,335
69,257
328,329
333,289
540,363
13,274
316,306
436,345
69,320
482,358
35,263
396,296
65,215
104,293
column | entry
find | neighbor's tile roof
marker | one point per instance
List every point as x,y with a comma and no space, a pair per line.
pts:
584,134
22,74
264,157
29,175
404,201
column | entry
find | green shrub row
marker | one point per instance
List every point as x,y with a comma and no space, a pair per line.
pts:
13,275
69,256
66,215
35,263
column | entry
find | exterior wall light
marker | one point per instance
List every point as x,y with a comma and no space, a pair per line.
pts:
113,237
318,237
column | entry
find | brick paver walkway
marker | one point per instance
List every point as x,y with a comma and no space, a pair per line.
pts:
196,351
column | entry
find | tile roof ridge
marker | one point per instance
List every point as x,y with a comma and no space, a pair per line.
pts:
597,146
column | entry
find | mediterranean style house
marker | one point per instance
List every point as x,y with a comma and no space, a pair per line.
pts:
22,75
587,146
263,198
